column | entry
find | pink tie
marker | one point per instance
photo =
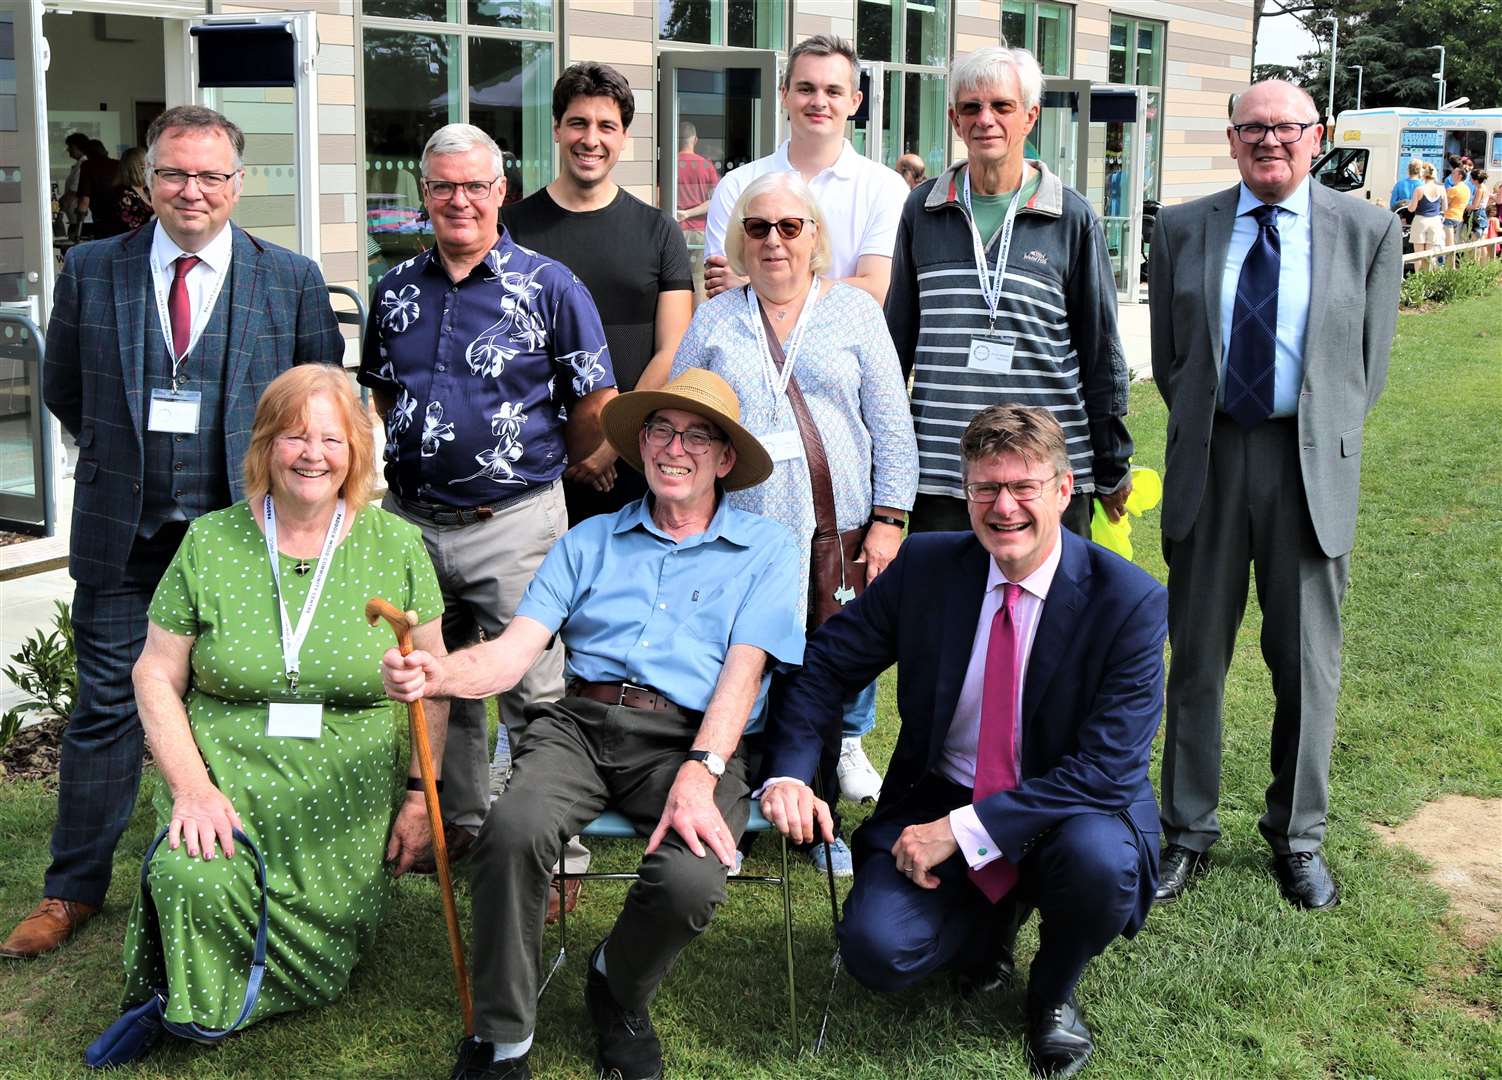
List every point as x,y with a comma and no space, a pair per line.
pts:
178,309
996,748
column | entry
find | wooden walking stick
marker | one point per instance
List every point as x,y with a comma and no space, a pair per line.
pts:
402,623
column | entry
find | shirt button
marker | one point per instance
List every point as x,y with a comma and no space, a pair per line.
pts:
180,438
662,607
178,466
178,494
135,488
440,367
645,644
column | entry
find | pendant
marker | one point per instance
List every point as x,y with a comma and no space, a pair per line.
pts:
302,568
844,594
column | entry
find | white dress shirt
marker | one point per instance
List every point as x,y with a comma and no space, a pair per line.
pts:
957,760
203,281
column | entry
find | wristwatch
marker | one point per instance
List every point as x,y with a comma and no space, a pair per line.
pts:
710,760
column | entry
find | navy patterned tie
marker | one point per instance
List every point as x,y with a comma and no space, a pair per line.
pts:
1254,326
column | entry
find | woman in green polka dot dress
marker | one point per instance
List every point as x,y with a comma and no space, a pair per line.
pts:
314,789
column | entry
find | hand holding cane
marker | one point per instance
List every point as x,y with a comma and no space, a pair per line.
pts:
402,623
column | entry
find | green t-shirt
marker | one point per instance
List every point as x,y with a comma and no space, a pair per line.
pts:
991,210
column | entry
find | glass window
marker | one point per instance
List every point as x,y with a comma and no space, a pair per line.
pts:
755,24
687,20
1043,29
925,120
927,33
746,24
911,37
877,29
421,10
512,14
1136,57
511,96
1116,69
1014,23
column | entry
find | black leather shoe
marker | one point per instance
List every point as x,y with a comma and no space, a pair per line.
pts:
628,1047
1305,881
1177,869
475,1063
1058,1042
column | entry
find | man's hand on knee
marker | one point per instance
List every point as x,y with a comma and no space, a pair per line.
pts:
691,813
920,848
792,808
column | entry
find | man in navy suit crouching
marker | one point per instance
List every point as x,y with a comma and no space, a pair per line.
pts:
1030,683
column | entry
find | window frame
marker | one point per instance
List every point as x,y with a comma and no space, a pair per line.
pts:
1133,23
1030,31
719,29
900,70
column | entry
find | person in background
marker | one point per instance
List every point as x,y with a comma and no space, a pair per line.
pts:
132,200
76,146
161,342
1402,191
697,179
98,184
1458,196
1476,212
913,169
1427,207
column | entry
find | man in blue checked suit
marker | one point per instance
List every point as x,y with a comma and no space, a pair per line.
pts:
159,345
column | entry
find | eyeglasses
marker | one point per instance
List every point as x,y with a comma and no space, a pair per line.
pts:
695,440
474,190
789,228
972,109
176,179
1025,490
1252,134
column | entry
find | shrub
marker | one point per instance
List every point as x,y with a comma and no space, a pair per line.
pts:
46,669
1440,286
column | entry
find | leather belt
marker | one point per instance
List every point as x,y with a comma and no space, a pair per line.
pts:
628,694
437,514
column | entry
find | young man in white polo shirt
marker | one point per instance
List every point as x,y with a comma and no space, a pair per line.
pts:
861,199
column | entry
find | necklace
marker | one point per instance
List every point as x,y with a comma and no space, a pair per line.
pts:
302,568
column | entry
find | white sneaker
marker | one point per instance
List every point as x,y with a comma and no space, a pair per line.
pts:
859,781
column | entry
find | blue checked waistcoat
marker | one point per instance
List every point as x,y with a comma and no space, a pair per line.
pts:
94,377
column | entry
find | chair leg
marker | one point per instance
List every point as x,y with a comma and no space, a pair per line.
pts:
562,937
834,920
787,931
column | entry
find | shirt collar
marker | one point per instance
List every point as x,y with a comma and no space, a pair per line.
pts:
1038,582
725,525
489,269
1296,203
216,253
844,166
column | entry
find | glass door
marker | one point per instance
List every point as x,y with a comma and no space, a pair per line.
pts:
1059,138
26,238
1114,177
717,112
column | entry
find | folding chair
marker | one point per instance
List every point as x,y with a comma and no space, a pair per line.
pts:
612,825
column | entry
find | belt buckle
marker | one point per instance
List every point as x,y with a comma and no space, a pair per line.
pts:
628,686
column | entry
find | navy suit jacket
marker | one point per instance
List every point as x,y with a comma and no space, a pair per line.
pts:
94,372
1092,693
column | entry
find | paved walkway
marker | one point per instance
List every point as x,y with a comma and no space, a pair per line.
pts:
27,603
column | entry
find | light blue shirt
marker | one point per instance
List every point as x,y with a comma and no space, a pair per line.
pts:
634,605
1295,275
1402,192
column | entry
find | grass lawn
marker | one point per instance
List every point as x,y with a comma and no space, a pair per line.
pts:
1229,982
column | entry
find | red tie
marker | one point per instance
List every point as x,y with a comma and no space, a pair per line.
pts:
178,309
996,748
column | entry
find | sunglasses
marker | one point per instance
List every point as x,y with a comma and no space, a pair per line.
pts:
789,228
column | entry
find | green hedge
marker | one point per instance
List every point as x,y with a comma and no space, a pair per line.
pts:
1442,286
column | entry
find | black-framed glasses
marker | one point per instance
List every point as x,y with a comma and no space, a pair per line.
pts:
176,179
1289,132
1024,490
474,190
789,228
696,441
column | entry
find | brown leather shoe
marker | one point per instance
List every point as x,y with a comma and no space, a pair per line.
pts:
53,922
571,890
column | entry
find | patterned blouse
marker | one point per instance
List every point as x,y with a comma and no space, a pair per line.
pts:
852,382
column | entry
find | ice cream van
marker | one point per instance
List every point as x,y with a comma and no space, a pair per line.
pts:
1372,147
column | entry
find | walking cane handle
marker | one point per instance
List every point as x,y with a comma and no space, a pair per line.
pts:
402,622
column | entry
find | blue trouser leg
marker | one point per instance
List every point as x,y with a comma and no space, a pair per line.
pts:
858,714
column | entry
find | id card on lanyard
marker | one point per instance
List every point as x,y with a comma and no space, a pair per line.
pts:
991,351
786,444
289,716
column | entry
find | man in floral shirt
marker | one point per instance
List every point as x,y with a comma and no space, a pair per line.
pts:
490,366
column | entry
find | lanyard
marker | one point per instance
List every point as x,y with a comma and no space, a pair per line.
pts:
210,298
778,381
292,640
990,284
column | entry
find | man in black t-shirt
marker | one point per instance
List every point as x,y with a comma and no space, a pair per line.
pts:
631,256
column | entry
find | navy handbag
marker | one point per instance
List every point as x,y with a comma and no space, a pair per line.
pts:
141,1025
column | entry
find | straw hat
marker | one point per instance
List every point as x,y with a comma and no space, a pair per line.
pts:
700,392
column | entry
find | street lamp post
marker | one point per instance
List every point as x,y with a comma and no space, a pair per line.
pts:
1334,46
1359,75
1440,75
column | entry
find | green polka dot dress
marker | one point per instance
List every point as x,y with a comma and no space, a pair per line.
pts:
319,809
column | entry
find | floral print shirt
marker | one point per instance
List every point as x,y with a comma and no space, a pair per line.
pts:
482,371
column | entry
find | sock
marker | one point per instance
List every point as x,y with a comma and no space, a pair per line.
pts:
600,961
505,1051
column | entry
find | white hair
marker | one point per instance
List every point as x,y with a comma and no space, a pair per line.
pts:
985,67
461,139
792,183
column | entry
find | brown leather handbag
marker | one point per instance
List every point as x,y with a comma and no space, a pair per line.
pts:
836,574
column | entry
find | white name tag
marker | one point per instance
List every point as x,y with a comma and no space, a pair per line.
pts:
783,445
174,411
295,720
992,353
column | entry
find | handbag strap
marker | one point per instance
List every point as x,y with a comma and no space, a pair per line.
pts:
825,524
192,1030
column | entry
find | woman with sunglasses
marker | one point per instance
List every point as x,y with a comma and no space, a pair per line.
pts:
791,342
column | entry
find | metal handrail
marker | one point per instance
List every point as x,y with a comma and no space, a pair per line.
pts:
44,421
359,317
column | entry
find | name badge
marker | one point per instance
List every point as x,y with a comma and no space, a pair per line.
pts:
783,445
174,411
992,353
295,720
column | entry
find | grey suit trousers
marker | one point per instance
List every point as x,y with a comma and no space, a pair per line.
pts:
1254,513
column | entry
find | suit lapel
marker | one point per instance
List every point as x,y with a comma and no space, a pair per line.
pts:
1322,207
1057,628
1219,221
134,298
961,610
246,298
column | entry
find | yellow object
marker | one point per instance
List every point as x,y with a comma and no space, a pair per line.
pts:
1147,492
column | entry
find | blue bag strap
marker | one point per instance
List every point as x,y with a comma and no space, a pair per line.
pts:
258,959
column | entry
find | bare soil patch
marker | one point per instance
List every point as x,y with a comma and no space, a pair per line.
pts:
32,754
1460,837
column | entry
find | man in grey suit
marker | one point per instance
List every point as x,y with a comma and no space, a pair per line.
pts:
158,347
1273,308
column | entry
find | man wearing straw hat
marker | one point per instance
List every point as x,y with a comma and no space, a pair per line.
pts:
667,656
